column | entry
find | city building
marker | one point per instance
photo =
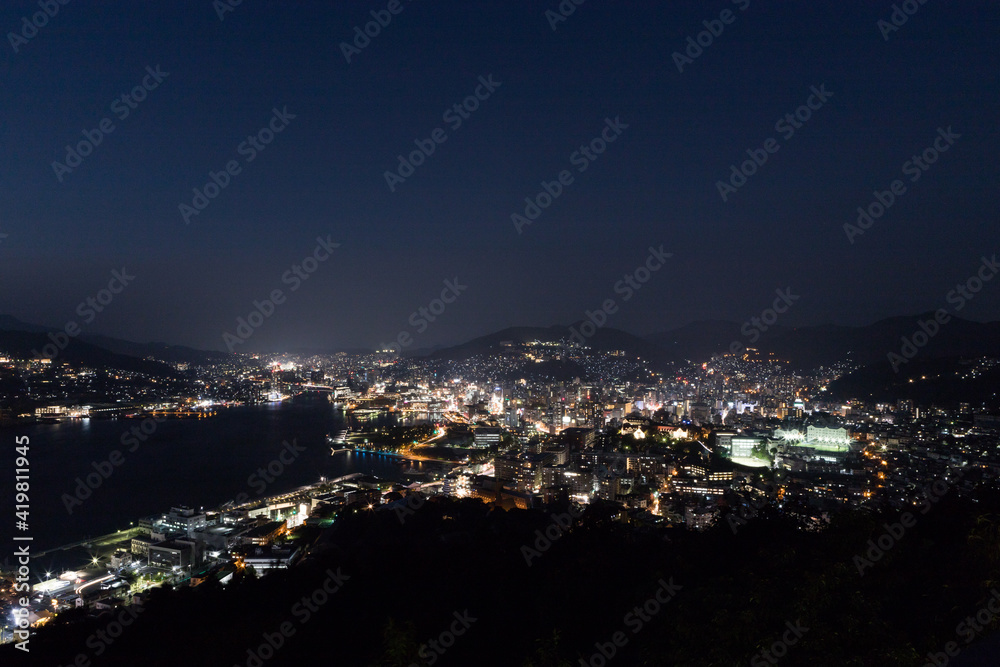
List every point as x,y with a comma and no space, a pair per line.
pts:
181,520
174,553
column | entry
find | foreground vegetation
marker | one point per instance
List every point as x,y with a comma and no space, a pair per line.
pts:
406,581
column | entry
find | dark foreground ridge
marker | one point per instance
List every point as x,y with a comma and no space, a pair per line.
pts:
456,582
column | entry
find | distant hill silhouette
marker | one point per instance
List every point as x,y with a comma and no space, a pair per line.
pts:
159,351
11,323
810,347
701,340
805,347
604,339
21,344
939,381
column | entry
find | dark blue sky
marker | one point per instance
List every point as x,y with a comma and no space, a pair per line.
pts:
656,184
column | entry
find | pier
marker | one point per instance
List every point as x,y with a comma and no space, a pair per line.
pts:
101,541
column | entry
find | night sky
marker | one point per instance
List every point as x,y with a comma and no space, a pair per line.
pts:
323,175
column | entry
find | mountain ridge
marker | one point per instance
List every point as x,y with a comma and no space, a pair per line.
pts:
804,346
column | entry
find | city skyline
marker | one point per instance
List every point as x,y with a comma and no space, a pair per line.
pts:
532,334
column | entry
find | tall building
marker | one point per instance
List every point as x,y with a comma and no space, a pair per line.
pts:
556,417
578,439
181,520
506,467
